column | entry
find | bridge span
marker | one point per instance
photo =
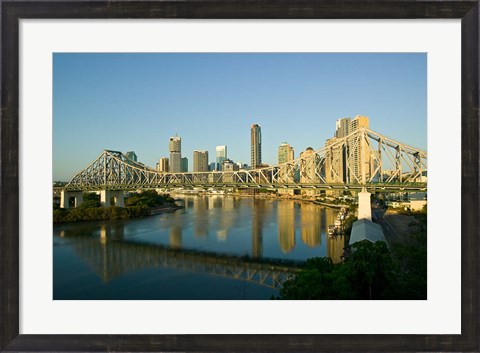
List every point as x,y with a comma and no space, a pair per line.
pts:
363,159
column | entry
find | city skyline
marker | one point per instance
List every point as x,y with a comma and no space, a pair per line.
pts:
136,102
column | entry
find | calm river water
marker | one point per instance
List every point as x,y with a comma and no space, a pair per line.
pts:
217,247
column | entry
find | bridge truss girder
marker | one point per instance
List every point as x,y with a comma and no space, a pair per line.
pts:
361,158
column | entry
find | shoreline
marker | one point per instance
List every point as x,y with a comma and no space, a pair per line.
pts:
272,197
174,207
150,211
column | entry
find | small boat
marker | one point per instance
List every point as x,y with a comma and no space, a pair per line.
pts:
331,230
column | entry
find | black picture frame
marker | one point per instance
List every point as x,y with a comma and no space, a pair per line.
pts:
12,11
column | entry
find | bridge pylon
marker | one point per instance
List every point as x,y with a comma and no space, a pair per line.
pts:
107,196
67,195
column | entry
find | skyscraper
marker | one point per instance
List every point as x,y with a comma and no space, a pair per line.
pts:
342,127
184,164
285,153
163,165
359,153
175,148
286,173
358,122
309,169
256,145
200,161
335,160
221,155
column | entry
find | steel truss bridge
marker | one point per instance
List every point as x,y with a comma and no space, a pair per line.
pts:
362,158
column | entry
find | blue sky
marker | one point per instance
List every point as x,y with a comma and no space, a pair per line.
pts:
136,101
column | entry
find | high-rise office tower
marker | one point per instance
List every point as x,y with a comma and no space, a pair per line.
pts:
200,161
309,169
184,165
342,127
336,155
175,149
163,165
256,145
285,153
334,160
309,166
359,152
358,122
221,155
286,172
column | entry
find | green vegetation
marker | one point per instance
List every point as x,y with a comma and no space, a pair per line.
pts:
137,205
90,200
371,271
411,257
98,213
149,198
368,273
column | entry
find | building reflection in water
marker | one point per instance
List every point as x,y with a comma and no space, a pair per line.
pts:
217,201
335,244
286,225
310,224
227,219
201,206
220,215
113,249
109,232
335,247
330,216
258,215
176,236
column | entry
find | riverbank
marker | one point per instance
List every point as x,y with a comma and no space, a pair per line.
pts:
80,214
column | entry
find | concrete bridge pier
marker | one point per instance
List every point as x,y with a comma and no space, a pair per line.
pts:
106,197
364,205
66,196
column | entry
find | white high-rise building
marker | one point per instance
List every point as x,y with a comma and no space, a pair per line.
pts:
221,155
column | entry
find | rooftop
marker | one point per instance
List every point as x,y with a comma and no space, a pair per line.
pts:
364,229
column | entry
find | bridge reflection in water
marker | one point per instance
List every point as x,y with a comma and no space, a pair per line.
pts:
111,256
258,241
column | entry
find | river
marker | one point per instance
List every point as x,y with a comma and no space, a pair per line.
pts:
217,247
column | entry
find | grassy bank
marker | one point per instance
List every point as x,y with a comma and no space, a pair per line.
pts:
141,204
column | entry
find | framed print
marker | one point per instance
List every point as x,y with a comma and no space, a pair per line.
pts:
102,99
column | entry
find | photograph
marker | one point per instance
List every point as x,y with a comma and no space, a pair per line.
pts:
261,176
239,176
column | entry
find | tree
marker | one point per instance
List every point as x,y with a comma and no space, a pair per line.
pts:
368,273
370,270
